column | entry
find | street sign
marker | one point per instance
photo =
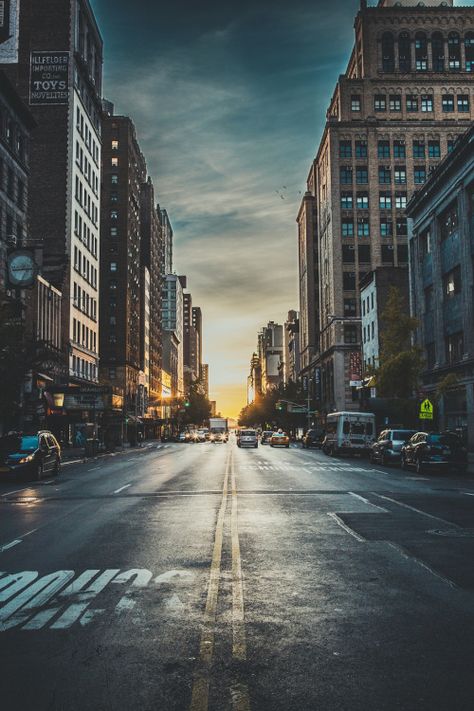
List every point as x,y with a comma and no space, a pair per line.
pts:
296,409
426,410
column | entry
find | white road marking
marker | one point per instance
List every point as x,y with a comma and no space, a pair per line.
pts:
117,491
468,493
412,508
17,491
421,563
7,546
34,596
72,461
366,501
346,528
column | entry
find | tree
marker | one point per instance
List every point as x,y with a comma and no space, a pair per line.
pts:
264,411
196,406
401,362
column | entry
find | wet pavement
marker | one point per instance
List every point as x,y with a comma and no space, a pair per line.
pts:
210,577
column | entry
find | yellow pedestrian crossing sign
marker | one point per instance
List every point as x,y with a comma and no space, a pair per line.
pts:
426,410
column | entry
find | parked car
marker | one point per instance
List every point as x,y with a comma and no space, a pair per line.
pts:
434,450
247,438
313,438
201,435
280,439
388,447
349,433
183,437
266,437
31,456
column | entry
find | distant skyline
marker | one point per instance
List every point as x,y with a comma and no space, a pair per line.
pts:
229,101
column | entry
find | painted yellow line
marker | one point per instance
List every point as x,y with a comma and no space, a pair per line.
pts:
200,693
239,693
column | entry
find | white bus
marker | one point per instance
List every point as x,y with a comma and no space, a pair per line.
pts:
349,433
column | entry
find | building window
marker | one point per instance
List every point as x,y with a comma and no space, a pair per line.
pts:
350,308
380,102
419,174
361,149
404,52
386,227
112,373
348,254
383,149
113,266
362,201
399,149
434,149
425,243
114,162
113,197
346,174
348,281
426,103
345,149
401,226
401,201
469,51
112,284
454,52
385,176
113,215
388,52
451,144
115,145
385,201
363,227
350,334
421,52
362,175
411,103
347,228
448,221
400,175
402,252
114,179
364,253
355,102
437,49
447,103
454,347
418,149
395,102
346,201
463,103
387,254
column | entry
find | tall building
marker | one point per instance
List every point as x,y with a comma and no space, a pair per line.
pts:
167,237
53,55
173,333
291,356
196,357
121,311
205,379
270,354
441,286
254,380
189,343
308,282
404,98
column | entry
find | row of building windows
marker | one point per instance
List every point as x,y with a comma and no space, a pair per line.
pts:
84,302
12,185
438,46
364,253
87,136
369,332
85,234
385,201
453,347
84,336
87,203
423,103
448,223
13,136
84,267
85,166
82,368
368,303
397,149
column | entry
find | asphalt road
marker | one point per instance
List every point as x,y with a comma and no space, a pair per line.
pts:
208,577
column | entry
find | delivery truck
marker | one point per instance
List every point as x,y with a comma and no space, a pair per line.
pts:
219,429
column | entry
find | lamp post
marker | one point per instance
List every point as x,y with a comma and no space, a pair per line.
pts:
308,414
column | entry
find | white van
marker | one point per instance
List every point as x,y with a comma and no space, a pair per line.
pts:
247,438
349,433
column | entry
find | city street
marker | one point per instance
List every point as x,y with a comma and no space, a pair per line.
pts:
210,577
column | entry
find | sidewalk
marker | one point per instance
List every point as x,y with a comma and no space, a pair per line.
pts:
77,454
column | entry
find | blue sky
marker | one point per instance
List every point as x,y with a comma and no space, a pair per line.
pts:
229,101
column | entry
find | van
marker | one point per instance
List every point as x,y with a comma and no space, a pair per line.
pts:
349,433
247,438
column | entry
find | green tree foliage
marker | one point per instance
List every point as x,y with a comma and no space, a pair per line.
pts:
198,409
401,363
264,412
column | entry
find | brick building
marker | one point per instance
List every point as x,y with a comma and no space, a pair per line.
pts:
123,175
55,41
404,98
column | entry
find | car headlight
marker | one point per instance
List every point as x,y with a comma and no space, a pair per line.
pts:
25,460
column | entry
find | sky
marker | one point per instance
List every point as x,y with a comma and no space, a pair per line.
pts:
229,101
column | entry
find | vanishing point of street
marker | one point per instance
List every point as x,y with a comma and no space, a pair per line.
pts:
210,577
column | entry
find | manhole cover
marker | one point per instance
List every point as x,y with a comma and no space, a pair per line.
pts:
452,533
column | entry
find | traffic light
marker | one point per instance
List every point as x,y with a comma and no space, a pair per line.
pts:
187,403
281,406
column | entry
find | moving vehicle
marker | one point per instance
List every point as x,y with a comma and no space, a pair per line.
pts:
32,456
349,433
280,439
219,429
388,446
183,437
313,438
266,436
434,450
202,435
247,438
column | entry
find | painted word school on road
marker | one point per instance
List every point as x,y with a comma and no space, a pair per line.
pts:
59,600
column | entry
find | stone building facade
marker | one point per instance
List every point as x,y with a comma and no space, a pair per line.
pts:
405,97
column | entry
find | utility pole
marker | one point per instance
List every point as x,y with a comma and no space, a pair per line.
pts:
308,414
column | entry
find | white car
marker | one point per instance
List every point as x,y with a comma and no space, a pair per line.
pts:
247,438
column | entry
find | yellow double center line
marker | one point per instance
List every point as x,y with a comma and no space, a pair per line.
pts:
200,693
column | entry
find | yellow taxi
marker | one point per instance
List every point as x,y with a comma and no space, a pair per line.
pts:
280,439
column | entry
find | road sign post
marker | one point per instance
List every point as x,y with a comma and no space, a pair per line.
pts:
426,410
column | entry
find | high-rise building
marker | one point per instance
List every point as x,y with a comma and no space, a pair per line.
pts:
270,354
404,98
53,54
172,314
254,380
205,379
196,357
291,357
167,237
121,312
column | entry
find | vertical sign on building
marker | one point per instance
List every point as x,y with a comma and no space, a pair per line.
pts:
9,31
49,78
355,369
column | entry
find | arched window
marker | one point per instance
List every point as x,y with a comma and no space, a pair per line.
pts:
421,52
388,52
437,47
469,48
454,51
404,52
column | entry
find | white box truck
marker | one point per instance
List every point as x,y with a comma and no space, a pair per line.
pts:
219,429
